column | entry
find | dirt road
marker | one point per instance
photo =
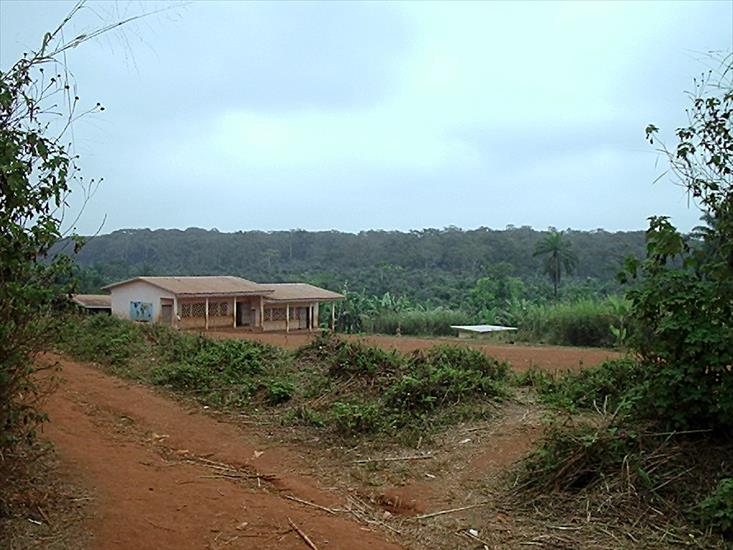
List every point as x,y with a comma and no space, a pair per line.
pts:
165,475
520,356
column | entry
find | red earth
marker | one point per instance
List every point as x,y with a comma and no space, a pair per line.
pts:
167,475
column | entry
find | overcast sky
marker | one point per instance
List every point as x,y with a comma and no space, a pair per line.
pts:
356,116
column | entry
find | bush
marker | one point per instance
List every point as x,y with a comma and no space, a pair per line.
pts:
103,339
354,418
445,375
576,457
610,384
716,511
279,391
183,376
351,358
304,416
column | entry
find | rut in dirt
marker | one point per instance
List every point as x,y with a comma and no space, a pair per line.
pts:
166,475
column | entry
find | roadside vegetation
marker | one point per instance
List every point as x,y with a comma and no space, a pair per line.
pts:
344,388
650,438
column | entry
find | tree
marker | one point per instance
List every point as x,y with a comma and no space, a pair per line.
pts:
683,303
559,257
37,171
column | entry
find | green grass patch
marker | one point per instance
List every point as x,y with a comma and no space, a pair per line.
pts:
345,387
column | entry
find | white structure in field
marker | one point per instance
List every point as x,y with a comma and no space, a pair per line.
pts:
220,301
466,331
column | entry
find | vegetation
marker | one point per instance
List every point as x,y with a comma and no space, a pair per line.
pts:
347,387
559,257
660,433
37,170
429,269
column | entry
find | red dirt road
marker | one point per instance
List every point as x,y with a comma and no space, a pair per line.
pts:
165,475
520,356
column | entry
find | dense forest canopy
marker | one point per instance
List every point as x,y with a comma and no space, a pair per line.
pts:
438,266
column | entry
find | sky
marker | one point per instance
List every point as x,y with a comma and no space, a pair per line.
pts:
395,116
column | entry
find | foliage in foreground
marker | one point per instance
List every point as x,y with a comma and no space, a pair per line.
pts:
662,444
663,478
36,175
347,386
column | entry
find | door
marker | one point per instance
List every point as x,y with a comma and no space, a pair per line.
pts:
244,318
166,314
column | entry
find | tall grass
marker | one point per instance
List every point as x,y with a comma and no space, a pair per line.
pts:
583,323
434,322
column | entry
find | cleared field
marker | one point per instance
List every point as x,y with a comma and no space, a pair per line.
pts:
521,357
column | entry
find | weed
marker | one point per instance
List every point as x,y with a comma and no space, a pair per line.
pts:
610,385
279,391
304,416
352,418
716,511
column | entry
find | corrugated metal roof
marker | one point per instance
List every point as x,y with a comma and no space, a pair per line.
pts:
303,292
482,328
207,285
93,301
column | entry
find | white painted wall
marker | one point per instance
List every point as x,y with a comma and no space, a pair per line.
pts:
137,291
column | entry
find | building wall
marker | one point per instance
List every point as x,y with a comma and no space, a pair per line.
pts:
280,324
215,321
136,291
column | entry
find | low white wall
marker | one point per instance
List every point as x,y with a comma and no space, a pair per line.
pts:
137,291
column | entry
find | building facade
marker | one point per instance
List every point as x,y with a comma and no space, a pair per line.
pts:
220,302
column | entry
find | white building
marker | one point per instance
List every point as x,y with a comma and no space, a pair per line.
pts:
220,301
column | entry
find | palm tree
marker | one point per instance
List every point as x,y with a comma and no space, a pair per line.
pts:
559,257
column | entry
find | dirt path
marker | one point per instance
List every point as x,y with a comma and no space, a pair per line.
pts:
169,476
520,356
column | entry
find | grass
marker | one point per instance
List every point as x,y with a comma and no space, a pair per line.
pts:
433,322
601,447
587,322
633,476
346,389
608,385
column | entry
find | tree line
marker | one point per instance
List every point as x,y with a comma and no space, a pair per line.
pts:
429,266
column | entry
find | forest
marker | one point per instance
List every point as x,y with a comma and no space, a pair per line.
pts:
417,282
429,266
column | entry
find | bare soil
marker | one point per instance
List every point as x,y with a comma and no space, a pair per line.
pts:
167,475
164,472
520,356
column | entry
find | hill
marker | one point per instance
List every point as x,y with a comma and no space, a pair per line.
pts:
429,265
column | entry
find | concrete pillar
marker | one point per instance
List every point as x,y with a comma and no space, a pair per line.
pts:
234,313
287,317
333,316
262,313
207,313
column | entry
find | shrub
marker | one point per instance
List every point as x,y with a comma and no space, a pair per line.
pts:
279,391
351,358
445,375
183,376
353,418
576,457
304,416
716,511
610,384
103,339
470,359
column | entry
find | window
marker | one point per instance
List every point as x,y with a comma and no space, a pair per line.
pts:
193,309
275,314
